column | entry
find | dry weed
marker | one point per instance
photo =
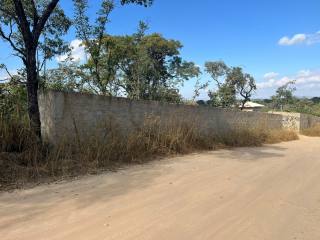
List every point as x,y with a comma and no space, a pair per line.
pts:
23,160
312,132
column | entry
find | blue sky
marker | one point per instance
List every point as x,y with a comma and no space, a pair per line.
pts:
276,40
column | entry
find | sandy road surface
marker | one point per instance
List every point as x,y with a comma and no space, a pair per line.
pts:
242,194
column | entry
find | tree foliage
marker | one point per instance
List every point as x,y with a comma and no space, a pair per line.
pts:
151,67
139,66
284,95
47,24
231,83
244,83
140,2
99,73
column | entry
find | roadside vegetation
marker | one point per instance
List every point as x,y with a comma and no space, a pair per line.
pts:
23,160
312,132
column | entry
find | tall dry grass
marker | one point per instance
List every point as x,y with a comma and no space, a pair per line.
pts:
23,160
312,132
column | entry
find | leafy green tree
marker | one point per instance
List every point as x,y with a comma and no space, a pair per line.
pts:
99,72
92,38
284,95
140,2
231,83
225,95
244,84
13,95
315,99
33,29
138,66
217,70
67,77
152,68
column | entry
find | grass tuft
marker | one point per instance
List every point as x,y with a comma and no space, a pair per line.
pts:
275,136
312,132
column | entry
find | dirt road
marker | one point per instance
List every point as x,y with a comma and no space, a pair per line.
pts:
270,193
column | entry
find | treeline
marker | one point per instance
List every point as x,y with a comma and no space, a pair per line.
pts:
283,100
286,101
138,66
300,105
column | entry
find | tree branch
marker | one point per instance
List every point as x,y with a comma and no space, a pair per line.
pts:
43,19
23,23
3,66
35,13
8,39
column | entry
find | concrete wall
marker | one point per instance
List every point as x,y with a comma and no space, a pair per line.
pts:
290,120
70,115
307,121
297,121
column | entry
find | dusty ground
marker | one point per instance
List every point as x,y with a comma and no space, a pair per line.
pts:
242,194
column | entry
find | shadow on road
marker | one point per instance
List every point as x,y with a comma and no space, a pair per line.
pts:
250,154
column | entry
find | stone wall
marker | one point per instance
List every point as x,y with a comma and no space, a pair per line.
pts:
71,115
297,121
290,121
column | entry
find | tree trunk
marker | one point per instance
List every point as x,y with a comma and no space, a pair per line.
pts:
242,105
32,91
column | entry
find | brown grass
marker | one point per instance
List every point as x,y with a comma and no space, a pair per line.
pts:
275,136
23,161
312,132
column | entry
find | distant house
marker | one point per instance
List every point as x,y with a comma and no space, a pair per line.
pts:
252,107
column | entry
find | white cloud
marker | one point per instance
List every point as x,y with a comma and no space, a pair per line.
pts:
296,39
270,80
304,73
313,38
303,79
284,80
77,52
301,38
267,84
270,75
